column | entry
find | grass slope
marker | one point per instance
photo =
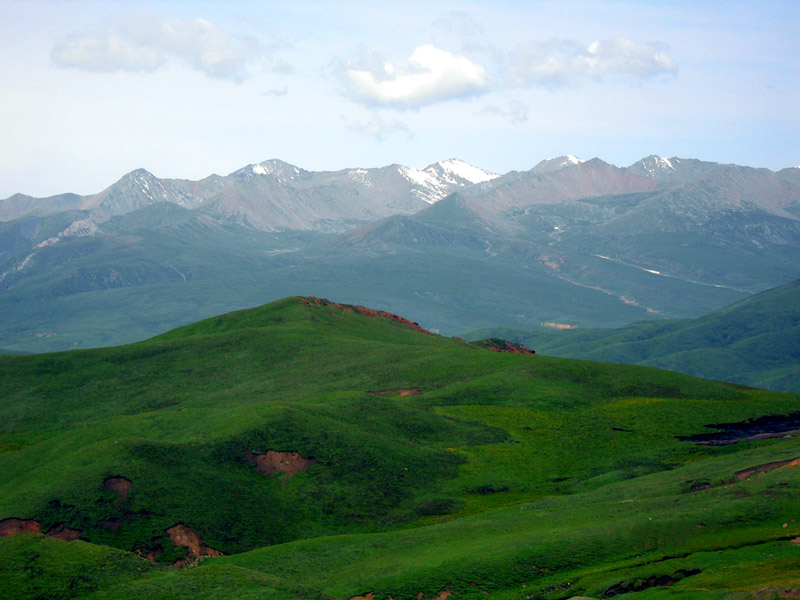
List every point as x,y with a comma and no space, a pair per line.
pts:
471,471
754,342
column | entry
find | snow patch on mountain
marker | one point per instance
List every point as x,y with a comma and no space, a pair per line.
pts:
457,171
440,179
361,176
654,166
557,163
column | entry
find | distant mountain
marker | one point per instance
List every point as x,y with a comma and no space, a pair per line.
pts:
569,242
270,196
754,342
555,164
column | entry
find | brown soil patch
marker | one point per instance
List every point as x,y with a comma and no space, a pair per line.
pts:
272,462
154,553
558,325
119,485
14,526
443,595
780,592
500,345
62,532
151,554
761,469
181,535
365,311
367,596
402,391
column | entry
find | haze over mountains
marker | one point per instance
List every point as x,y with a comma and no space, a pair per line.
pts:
567,243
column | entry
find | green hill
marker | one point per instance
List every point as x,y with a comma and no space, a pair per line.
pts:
754,342
307,449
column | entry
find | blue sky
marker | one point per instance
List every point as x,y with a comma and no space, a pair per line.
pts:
93,90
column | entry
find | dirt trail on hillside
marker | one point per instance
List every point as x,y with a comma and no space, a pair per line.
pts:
761,469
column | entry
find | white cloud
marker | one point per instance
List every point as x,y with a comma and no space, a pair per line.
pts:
563,61
148,43
378,127
429,75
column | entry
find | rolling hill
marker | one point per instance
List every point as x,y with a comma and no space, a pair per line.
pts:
754,342
310,449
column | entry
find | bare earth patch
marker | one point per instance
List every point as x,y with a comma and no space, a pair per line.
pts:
62,532
366,312
402,391
780,592
14,526
761,469
273,461
181,535
119,485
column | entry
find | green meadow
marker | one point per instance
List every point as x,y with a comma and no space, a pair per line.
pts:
425,467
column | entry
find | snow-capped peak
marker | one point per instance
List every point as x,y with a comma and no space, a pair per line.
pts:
654,166
440,179
462,170
557,163
274,167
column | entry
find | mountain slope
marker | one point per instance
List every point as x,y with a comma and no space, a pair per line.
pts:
754,342
309,449
570,243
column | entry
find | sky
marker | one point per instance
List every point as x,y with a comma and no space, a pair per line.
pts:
95,89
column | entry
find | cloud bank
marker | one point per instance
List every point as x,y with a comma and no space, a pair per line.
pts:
565,61
429,75
148,44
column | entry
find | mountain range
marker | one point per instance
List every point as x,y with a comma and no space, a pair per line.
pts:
569,243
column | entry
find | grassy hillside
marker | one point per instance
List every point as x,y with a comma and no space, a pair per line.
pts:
754,342
329,451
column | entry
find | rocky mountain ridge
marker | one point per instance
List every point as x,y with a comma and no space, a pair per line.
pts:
569,242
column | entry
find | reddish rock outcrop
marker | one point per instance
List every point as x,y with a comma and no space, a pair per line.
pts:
500,345
365,311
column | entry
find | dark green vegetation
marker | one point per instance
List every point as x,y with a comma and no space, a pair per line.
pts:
435,465
754,342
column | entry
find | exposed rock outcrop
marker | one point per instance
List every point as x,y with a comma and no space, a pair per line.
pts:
365,311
